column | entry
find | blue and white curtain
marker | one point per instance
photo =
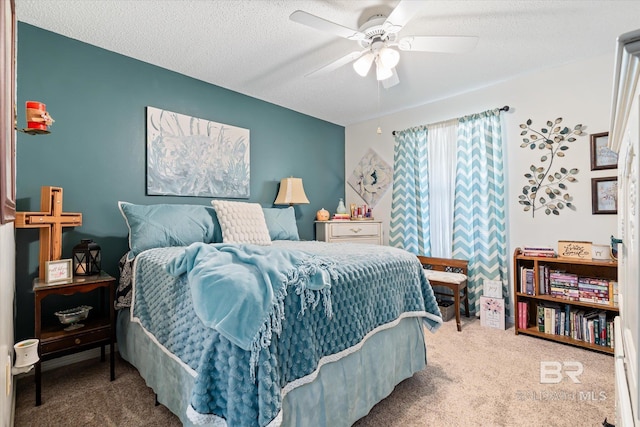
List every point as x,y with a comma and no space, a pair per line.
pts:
410,198
479,230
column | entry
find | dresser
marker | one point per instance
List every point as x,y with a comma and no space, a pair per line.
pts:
369,232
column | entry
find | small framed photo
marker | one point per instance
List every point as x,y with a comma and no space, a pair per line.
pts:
601,156
604,195
59,271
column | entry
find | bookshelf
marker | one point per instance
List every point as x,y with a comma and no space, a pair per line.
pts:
562,299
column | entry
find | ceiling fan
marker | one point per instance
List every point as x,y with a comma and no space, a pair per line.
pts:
378,38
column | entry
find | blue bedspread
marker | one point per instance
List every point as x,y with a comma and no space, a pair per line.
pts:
371,286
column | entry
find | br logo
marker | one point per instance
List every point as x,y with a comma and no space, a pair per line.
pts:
554,372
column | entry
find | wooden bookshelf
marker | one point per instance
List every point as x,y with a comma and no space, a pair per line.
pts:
535,296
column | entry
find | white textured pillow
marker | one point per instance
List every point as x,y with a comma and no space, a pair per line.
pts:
242,222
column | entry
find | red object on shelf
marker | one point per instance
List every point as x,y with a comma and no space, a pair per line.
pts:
37,116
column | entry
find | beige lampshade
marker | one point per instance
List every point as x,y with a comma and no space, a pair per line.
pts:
291,192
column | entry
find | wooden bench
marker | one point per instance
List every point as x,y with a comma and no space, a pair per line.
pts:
452,274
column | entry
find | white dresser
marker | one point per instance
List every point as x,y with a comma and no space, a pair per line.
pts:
350,231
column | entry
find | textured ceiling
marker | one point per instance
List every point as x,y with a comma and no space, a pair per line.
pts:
251,46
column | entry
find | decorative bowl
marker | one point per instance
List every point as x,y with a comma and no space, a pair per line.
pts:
72,316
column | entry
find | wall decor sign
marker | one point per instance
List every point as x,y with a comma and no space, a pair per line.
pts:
601,156
574,249
188,156
492,312
371,178
604,195
59,271
547,189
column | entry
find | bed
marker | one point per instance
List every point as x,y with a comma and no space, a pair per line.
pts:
233,321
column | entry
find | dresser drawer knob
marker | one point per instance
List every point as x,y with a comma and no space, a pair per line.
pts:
77,341
356,230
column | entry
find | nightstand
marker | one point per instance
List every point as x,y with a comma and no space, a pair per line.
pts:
98,330
350,231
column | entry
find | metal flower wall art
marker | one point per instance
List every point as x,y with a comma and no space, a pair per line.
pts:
547,188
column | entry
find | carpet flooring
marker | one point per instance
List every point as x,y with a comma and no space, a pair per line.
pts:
477,377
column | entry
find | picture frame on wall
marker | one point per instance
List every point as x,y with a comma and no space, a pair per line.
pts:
601,156
604,195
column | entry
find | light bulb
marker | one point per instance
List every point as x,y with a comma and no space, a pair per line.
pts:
363,64
389,57
382,73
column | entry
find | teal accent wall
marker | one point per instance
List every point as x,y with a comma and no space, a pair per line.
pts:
96,149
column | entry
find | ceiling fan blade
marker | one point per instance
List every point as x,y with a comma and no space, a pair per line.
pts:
440,44
391,81
404,11
336,64
322,24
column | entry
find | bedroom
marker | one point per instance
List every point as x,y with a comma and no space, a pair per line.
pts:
96,148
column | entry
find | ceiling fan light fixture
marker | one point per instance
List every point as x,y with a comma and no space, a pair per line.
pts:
389,57
382,72
363,64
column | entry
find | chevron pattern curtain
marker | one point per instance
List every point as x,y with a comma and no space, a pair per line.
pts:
479,233
410,200
479,230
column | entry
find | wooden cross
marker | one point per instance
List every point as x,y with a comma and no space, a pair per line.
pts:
50,221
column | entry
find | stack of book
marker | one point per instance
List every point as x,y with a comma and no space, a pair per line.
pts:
341,217
595,290
563,285
541,251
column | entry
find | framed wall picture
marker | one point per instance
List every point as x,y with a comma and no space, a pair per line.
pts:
7,113
189,156
60,271
601,156
604,195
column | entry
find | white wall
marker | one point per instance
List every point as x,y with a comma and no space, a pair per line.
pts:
579,92
7,292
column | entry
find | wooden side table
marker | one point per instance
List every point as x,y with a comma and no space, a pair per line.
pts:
99,329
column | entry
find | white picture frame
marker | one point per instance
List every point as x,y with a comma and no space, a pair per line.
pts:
60,271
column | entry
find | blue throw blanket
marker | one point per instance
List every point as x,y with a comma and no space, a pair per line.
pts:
239,290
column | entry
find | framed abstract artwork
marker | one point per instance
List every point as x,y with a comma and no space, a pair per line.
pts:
189,156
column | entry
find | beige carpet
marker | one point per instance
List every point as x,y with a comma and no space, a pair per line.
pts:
477,377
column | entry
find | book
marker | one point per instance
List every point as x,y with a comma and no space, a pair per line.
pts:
540,318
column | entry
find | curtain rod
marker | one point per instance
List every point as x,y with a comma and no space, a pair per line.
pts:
505,108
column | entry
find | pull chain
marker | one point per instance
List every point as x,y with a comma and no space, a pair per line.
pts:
379,130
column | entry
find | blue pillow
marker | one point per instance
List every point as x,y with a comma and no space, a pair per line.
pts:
162,225
281,223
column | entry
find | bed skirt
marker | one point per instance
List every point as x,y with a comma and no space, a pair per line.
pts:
338,394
